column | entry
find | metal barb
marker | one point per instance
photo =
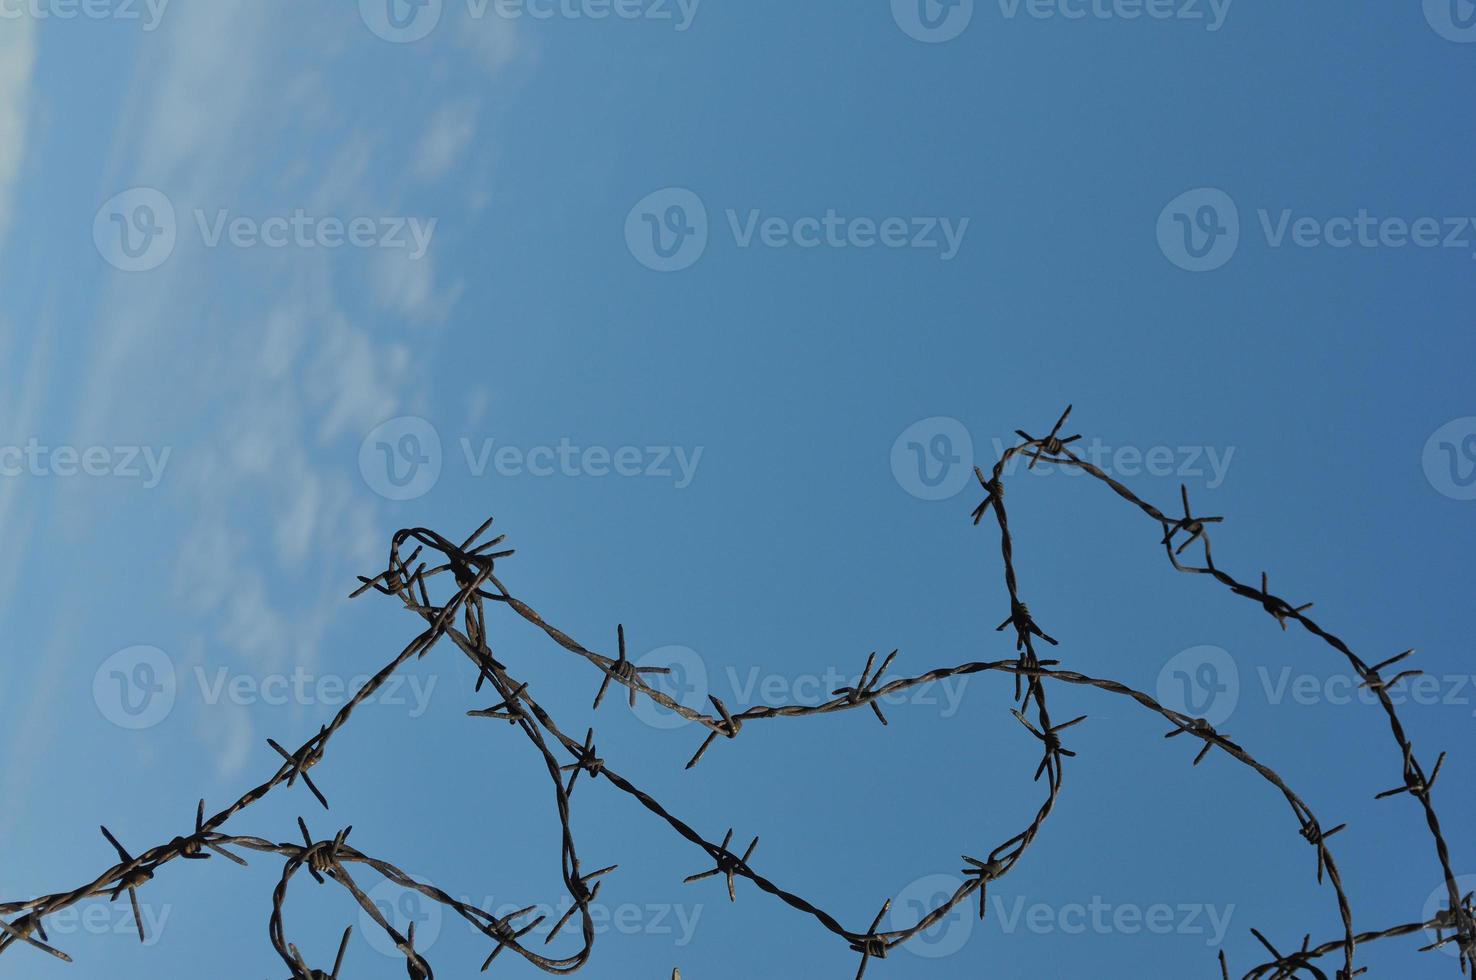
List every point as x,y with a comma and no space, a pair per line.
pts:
623,670
728,864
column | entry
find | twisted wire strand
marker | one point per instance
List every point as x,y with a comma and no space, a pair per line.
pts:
471,564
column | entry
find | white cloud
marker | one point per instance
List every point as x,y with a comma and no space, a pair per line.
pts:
210,84
253,362
477,403
17,60
21,404
355,379
493,40
228,730
446,138
407,286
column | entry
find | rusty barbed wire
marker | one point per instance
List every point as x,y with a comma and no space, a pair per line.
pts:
471,565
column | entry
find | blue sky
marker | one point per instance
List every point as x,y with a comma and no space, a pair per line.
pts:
674,293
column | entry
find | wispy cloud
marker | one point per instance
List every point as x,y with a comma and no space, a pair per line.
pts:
21,400
263,369
280,351
407,286
494,41
446,138
17,62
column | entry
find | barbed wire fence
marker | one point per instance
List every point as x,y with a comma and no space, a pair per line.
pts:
462,619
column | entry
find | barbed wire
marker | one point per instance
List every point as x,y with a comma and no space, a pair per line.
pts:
461,618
